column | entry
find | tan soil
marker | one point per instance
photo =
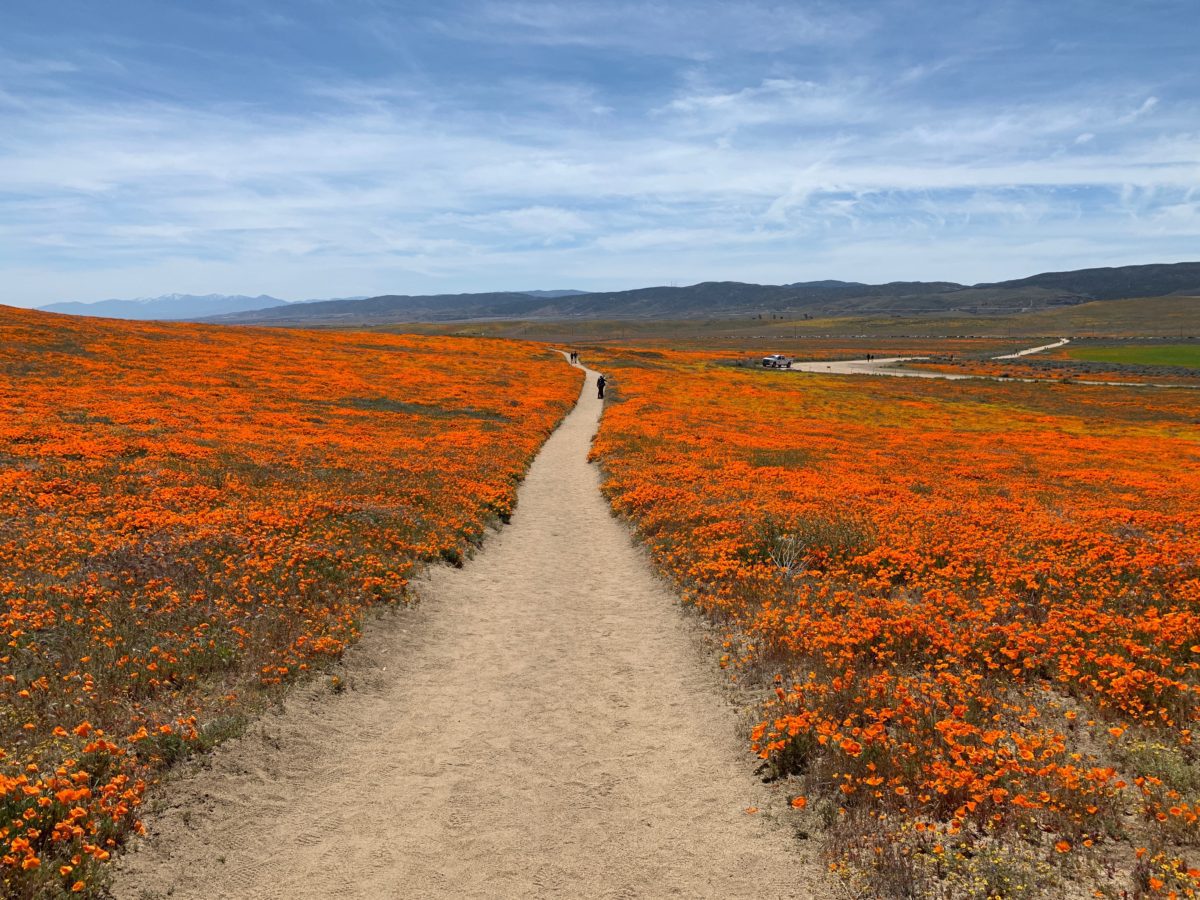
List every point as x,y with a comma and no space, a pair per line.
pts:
887,366
892,365
542,724
1061,342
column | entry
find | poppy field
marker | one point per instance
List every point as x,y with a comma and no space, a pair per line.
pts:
970,611
192,516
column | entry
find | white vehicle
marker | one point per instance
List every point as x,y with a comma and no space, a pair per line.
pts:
777,361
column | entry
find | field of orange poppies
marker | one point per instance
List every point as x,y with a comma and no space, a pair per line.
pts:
972,610
191,516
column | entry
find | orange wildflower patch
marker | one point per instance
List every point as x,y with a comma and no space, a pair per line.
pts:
978,602
190,515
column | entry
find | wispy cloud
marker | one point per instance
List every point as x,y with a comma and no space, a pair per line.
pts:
1145,109
491,151
775,102
698,30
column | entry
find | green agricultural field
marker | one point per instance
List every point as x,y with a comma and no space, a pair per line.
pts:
1185,355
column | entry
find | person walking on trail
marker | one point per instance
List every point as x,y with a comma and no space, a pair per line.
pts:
600,383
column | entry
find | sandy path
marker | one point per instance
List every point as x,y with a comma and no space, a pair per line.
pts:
1061,342
886,366
540,725
890,365
893,366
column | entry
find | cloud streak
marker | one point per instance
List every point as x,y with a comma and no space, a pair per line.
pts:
522,167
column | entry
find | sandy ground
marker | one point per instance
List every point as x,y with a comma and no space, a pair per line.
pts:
894,366
891,365
1061,342
886,366
542,724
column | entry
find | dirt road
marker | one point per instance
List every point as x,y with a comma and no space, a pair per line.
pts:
542,724
1061,342
891,365
894,367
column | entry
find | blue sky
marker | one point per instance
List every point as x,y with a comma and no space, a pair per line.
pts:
334,147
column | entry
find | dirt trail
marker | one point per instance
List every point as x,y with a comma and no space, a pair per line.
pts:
1061,342
893,366
540,725
890,365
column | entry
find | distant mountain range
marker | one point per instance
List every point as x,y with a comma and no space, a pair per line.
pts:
187,307
193,307
732,298
705,300
553,295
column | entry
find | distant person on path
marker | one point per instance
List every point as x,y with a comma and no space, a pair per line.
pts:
600,383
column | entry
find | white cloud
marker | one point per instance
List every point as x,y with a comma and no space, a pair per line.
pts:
1145,109
786,102
549,174
546,222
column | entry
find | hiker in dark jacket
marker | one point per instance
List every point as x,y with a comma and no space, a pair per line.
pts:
600,382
